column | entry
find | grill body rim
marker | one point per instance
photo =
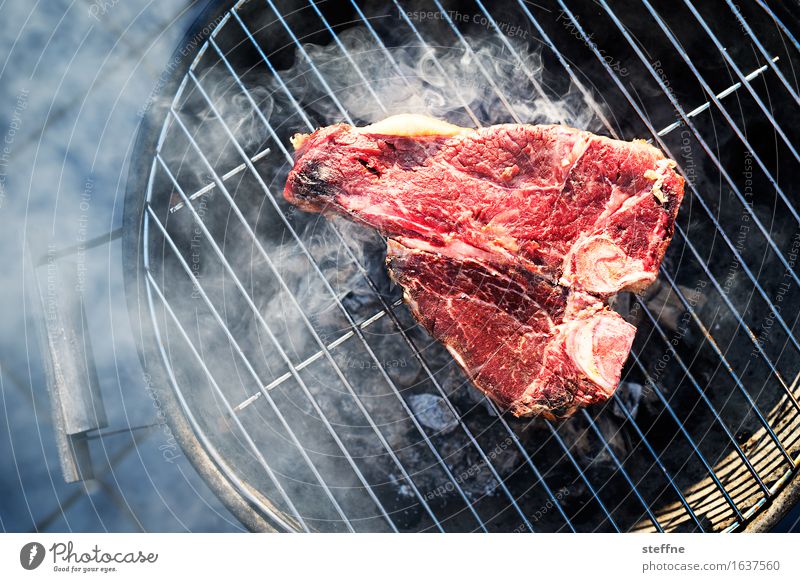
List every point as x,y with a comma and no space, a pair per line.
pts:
144,328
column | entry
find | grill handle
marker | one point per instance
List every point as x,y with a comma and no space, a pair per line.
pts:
71,376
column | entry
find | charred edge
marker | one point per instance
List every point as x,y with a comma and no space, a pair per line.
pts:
308,184
369,168
671,189
545,410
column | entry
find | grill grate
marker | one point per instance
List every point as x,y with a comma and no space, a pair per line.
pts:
258,415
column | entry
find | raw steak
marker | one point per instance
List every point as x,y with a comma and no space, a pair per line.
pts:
507,241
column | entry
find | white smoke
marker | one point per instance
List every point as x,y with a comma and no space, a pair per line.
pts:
495,80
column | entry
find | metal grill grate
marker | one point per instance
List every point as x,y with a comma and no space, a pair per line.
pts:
315,443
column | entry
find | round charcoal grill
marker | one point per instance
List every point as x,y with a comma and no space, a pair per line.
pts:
295,378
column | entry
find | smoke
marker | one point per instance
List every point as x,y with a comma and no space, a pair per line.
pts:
495,80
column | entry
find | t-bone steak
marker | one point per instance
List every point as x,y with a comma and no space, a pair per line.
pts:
507,240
